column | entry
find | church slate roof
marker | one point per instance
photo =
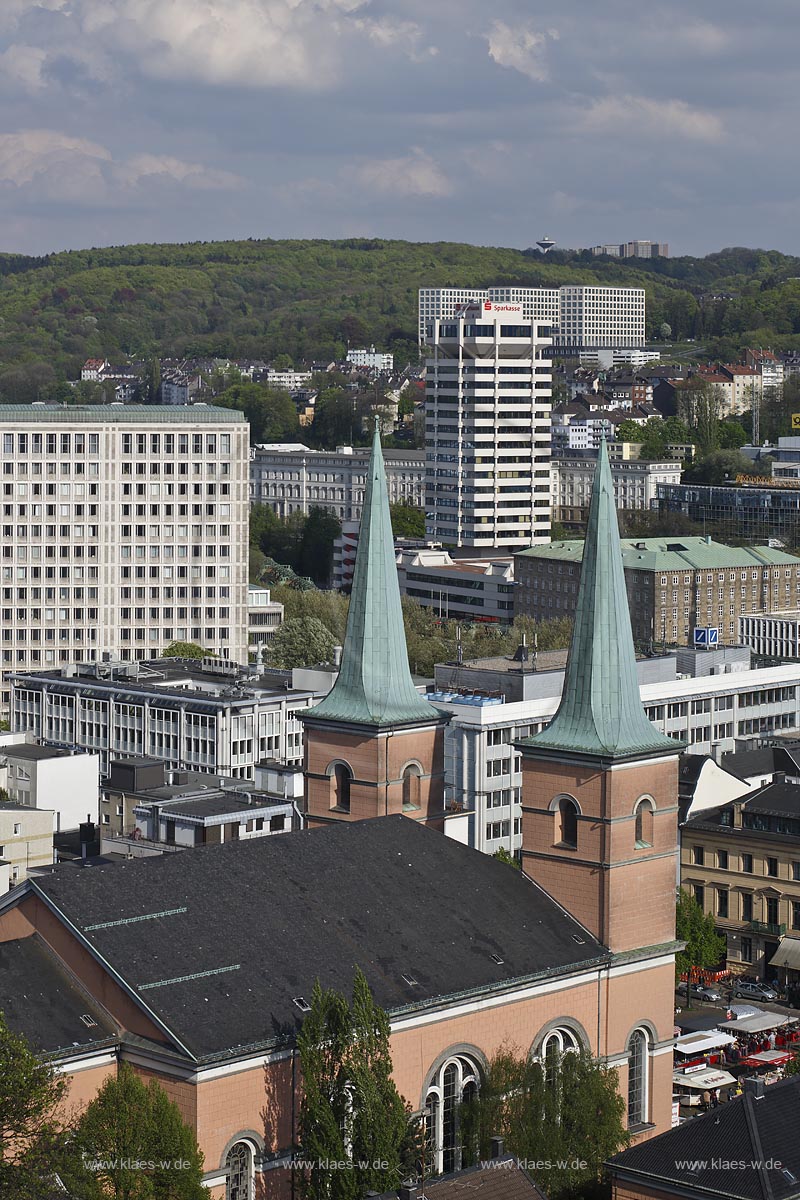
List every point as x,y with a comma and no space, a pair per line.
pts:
600,713
219,942
374,685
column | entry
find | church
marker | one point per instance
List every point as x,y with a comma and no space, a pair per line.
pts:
196,967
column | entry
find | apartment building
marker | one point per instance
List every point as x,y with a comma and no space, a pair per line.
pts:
26,842
264,617
705,698
640,248
206,715
580,316
741,862
480,590
292,478
635,484
487,428
674,585
375,360
124,529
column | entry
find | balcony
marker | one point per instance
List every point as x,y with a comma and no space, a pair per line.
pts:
770,927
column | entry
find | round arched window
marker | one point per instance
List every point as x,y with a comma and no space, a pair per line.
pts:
453,1084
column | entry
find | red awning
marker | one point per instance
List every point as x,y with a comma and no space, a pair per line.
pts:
767,1058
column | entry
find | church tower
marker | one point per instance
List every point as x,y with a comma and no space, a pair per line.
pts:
599,783
374,746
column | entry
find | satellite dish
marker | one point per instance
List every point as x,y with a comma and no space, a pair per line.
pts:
545,244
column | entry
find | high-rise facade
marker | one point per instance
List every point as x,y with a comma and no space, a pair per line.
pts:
124,529
487,428
581,316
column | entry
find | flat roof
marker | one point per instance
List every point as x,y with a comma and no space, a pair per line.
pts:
111,414
33,753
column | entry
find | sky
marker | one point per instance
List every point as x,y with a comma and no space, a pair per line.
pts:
486,121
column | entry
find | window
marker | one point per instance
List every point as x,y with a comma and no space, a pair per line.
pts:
747,907
796,871
747,864
341,779
747,949
699,894
644,824
698,856
411,787
567,824
796,914
637,1078
722,860
772,910
239,1162
722,902
772,867
454,1084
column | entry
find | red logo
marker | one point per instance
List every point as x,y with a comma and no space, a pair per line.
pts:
487,304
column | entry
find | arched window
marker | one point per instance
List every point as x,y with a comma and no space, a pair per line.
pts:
456,1081
567,830
411,787
643,835
637,1078
340,793
555,1045
239,1165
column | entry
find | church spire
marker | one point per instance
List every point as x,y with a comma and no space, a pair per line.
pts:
600,713
374,685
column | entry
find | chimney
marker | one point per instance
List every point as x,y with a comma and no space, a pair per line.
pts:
497,1147
337,656
408,1190
754,1086
779,777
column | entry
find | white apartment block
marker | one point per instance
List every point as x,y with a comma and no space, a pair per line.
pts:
287,378
775,635
65,784
479,589
580,316
289,477
125,528
487,429
635,484
206,715
26,842
264,617
376,360
483,769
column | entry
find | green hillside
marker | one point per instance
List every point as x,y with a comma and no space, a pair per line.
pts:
309,299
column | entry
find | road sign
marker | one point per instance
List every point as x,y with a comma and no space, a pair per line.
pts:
795,420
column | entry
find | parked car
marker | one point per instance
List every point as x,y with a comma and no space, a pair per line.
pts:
700,991
754,991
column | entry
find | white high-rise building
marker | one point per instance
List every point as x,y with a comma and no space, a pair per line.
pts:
487,428
580,316
124,529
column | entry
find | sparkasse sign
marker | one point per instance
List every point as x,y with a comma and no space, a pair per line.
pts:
493,307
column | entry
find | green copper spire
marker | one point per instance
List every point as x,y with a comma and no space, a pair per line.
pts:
374,685
600,711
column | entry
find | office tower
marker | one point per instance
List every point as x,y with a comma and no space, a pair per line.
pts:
487,428
124,529
580,316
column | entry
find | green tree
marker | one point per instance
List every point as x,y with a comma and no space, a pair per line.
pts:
334,419
568,1109
505,856
130,1122
629,431
719,468
32,1138
270,411
732,435
301,642
408,521
315,554
704,946
351,1109
184,650
665,331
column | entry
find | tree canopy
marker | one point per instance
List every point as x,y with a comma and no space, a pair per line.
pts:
704,946
33,1139
184,650
301,642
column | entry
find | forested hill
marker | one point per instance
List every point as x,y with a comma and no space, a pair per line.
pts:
308,299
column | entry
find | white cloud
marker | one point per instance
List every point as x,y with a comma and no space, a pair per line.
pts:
21,66
416,174
642,116
53,165
521,49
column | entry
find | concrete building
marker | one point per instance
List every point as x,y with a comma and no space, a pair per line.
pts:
635,249
291,478
580,317
674,585
374,359
179,387
264,617
287,379
773,635
635,484
26,842
487,429
125,528
46,777
208,716
461,589
760,511
706,699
